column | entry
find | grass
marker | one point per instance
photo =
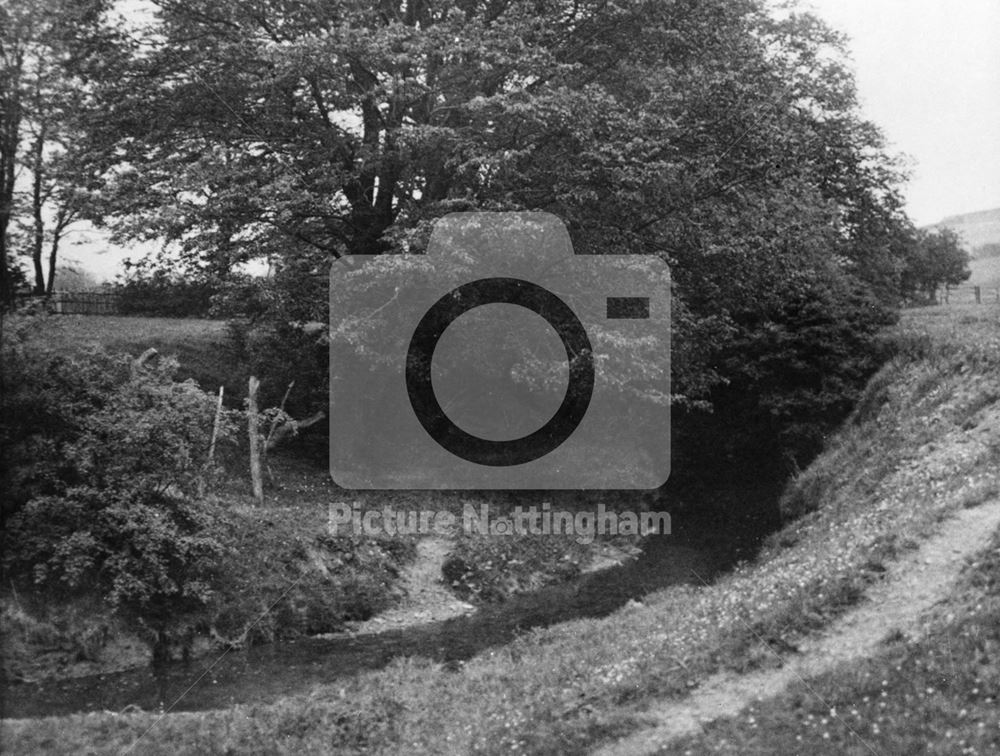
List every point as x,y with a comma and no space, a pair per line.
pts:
925,442
131,333
936,695
200,345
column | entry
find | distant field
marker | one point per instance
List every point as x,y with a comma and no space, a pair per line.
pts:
200,345
131,333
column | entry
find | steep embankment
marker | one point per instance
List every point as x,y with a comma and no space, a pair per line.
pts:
920,454
894,609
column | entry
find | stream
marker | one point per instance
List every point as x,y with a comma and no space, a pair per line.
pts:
265,673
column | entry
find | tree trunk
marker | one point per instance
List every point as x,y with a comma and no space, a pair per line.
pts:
64,218
36,210
6,287
10,132
53,250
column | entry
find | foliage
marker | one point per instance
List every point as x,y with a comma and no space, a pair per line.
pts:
279,335
720,137
794,374
51,51
712,134
935,259
158,293
283,576
101,461
17,278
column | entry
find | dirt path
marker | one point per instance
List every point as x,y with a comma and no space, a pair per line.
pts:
427,600
910,587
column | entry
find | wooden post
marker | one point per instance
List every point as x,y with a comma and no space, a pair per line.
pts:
211,444
215,426
979,295
946,288
255,475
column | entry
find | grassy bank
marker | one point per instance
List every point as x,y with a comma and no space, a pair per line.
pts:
924,441
935,695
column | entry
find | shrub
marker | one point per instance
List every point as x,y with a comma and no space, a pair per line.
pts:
101,460
794,373
161,294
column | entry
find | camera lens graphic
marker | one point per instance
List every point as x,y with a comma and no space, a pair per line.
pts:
499,291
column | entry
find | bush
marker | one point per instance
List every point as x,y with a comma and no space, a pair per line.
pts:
161,294
101,461
794,373
278,330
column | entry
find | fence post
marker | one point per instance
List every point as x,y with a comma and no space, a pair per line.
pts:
211,444
255,439
979,296
946,290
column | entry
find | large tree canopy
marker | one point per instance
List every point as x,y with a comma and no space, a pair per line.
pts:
712,133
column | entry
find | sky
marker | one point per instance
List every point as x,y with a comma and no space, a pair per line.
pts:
928,73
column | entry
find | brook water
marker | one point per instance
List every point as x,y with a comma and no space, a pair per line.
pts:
691,555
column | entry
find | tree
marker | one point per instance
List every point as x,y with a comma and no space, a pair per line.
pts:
936,258
12,61
49,52
710,133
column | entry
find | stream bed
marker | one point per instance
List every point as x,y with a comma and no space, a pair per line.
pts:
265,673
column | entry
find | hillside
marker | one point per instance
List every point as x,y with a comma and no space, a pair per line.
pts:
888,567
985,272
976,229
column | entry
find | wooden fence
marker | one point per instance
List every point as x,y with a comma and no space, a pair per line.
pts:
78,302
968,294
